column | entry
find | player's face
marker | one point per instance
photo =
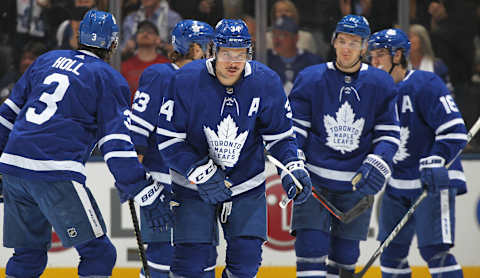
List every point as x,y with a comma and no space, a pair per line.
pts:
230,63
348,48
196,52
380,58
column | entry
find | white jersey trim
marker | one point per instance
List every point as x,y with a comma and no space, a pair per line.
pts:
303,122
236,189
278,136
142,122
300,131
458,136
168,133
139,130
6,123
118,136
42,165
330,174
387,128
12,105
168,143
88,208
445,126
161,267
119,154
416,184
456,175
387,138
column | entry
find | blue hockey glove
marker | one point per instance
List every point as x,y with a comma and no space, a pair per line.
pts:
372,175
155,199
297,169
210,181
433,174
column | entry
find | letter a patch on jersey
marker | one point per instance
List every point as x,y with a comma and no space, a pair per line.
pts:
402,149
344,131
225,146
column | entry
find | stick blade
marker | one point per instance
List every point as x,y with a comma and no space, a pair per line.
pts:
364,204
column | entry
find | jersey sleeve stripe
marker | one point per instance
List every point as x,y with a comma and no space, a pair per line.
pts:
458,136
456,175
139,130
109,137
142,122
300,131
42,165
388,128
303,122
445,126
168,143
270,145
387,138
169,133
6,123
12,105
278,136
120,154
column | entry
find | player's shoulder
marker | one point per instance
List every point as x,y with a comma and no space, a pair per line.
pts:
158,70
317,71
420,81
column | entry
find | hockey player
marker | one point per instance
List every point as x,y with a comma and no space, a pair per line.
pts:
344,118
191,41
432,132
213,135
67,102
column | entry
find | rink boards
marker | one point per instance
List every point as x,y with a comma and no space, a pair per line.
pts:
278,255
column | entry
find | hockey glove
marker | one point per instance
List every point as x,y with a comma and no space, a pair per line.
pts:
372,175
433,174
297,169
154,199
210,181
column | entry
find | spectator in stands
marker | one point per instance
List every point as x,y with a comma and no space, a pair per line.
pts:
30,52
288,8
157,12
285,58
67,31
147,40
209,11
422,56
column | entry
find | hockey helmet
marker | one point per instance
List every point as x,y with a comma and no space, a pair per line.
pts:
98,29
353,24
391,39
190,31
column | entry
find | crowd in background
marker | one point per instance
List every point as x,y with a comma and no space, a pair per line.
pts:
445,35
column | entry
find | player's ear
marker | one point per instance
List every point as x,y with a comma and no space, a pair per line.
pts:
397,57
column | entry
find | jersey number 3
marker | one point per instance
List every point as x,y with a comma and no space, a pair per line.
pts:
49,99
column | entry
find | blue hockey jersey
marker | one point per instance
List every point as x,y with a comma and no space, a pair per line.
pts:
145,108
228,124
67,102
430,124
340,118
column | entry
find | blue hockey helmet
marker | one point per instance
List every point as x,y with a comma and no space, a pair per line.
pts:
190,31
98,29
232,33
353,24
391,39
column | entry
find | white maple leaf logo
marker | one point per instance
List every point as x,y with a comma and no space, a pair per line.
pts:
344,131
402,149
225,146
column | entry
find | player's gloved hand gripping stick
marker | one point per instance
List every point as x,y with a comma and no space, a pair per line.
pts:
406,217
347,217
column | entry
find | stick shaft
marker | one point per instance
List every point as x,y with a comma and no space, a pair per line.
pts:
141,249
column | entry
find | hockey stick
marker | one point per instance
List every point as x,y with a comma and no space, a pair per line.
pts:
365,203
141,249
405,218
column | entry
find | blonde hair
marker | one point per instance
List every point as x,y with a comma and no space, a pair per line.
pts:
425,43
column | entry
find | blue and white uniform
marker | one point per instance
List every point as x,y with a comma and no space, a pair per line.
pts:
431,124
339,119
232,125
66,103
